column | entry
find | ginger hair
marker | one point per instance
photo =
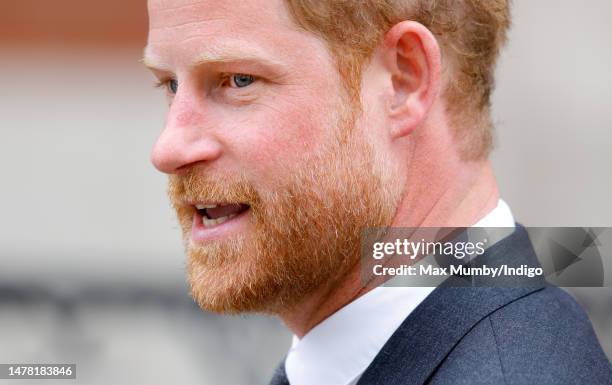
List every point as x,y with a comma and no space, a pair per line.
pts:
470,33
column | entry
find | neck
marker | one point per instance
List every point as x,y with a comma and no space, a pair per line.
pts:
459,204
470,192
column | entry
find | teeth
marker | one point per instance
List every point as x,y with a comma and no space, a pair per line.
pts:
202,207
213,222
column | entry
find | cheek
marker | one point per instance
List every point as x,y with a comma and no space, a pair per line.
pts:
274,140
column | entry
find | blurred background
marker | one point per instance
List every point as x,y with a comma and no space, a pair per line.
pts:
91,261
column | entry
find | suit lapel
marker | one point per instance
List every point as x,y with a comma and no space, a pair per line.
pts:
280,376
431,331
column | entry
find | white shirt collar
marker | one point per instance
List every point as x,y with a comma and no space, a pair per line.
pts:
339,349
500,216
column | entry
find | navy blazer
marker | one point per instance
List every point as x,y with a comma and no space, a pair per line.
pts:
534,334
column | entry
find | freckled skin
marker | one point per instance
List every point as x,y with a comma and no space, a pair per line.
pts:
266,130
278,122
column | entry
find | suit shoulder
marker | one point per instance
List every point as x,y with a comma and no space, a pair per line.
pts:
547,338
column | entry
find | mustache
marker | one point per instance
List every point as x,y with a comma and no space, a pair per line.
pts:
197,186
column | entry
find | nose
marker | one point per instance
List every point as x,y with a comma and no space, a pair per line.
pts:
185,140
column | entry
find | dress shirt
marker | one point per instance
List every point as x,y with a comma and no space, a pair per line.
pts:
338,350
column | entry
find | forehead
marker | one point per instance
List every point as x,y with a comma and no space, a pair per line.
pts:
183,28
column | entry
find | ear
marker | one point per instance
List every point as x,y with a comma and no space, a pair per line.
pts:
412,57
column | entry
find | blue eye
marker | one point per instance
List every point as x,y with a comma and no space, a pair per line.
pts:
173,86
241,80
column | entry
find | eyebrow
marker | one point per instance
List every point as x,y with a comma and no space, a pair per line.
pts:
213,57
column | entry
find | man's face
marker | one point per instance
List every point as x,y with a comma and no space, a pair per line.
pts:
271,174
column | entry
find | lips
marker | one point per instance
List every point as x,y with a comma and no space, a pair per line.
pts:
215,214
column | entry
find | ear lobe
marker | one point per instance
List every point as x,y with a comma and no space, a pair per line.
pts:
413,60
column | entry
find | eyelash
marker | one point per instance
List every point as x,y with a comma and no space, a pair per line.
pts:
165,83
229,78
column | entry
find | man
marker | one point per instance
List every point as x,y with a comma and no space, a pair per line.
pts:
295,124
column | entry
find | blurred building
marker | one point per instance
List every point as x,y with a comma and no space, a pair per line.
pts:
91,262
